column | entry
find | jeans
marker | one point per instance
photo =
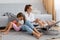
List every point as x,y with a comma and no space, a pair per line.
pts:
28,26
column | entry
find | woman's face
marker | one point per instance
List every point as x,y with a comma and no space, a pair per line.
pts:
20,18
29,9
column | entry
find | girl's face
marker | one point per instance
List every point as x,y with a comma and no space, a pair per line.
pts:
20,18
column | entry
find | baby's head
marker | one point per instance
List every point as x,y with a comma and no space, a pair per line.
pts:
20,16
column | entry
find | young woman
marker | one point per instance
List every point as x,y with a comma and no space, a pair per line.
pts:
23,24
30,16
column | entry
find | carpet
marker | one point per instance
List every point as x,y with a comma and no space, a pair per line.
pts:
13,35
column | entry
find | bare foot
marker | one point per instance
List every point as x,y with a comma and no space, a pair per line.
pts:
2,30
39,35
6,33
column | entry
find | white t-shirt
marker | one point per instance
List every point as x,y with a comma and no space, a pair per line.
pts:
30,17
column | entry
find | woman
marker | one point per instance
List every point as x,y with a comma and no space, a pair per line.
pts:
30,16
23,24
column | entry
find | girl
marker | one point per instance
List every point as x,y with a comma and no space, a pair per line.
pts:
23,24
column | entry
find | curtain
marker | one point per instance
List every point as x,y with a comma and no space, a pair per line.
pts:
49,7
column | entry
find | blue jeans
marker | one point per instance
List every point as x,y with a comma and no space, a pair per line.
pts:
28,26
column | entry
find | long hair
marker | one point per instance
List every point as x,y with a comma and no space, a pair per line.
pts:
27,7
20,14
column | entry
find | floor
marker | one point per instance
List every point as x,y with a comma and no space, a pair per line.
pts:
13,35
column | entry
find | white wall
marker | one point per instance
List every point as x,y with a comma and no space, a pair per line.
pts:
57,7
15,6
19,1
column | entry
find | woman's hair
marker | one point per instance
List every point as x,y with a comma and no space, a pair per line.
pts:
20,14
27,7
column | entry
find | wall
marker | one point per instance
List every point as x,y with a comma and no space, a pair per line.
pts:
15,6
19,1
57,8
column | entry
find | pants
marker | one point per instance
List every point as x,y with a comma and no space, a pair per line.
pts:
28,26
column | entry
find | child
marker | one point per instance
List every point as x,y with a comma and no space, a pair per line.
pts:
23,24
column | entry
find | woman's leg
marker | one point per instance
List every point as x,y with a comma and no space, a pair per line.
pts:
53,21
30,25
37,31
35,34
30,31
50,22
40,22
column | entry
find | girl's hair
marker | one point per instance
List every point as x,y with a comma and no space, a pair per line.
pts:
20,14
27,7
